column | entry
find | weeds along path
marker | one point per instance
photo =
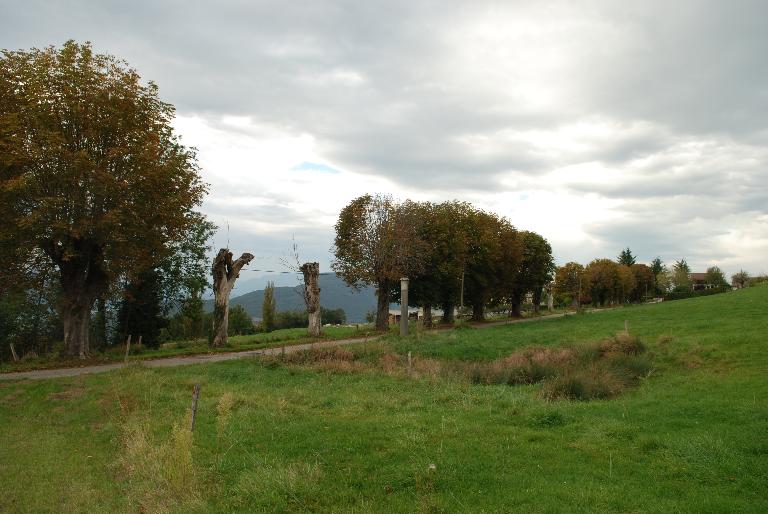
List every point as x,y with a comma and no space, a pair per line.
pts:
168,362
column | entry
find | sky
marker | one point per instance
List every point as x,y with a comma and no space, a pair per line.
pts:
598,124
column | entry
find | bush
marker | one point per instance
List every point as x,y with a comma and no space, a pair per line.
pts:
687,293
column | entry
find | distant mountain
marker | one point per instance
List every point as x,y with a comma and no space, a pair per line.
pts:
334,294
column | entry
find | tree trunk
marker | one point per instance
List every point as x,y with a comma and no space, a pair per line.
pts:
82,280
448,317
478,311
225,274
382,306
550,301
427,319
536,299
76,318
516,302
311,272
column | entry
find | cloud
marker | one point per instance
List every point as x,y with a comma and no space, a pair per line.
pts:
602,124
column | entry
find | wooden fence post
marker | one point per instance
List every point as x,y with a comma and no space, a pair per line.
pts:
195,397
127,348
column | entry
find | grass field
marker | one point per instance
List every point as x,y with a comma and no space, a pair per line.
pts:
278,437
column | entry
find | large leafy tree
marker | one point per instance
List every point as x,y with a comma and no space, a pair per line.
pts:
645,281
570,283
534,272
716,277
93,181
603,280
377,242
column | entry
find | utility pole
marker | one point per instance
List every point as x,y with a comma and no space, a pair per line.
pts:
403,307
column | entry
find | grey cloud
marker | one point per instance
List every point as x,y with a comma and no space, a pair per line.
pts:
375,84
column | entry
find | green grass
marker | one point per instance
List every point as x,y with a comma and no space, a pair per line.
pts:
287,336
693,437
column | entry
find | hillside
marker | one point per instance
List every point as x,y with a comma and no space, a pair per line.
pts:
334,294
389,426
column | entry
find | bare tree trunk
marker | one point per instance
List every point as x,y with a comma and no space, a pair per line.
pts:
311,272
427,319
382,306
225,274
516,302
550,300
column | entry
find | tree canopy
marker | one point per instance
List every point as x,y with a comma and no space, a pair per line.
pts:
93,180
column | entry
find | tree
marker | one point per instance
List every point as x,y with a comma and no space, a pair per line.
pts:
239,321
645,281
311,273
626,258
603,281
268,308
568,283
681,274
93,181
716,277
740,279
377,243
658,268
225,273
333,316
534,272
140,312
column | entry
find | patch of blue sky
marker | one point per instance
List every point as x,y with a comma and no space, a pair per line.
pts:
313,166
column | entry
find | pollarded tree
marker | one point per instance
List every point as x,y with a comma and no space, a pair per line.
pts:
377,242
91,174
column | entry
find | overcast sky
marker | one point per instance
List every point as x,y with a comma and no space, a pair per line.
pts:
598,124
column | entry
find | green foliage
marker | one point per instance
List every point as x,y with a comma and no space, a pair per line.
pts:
93,181
240,322
741,279
716,277
570,283
681,275
688,293
269,308
626,258
140,313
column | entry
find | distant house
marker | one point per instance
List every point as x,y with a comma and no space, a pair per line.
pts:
699,281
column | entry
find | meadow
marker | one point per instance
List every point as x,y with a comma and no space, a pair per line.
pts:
380,435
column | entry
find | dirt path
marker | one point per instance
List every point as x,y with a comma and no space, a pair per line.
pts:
169,362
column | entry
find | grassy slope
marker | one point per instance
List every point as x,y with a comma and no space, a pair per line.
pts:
692,438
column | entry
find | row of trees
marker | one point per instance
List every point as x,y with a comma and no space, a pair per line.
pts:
451,252
604,281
